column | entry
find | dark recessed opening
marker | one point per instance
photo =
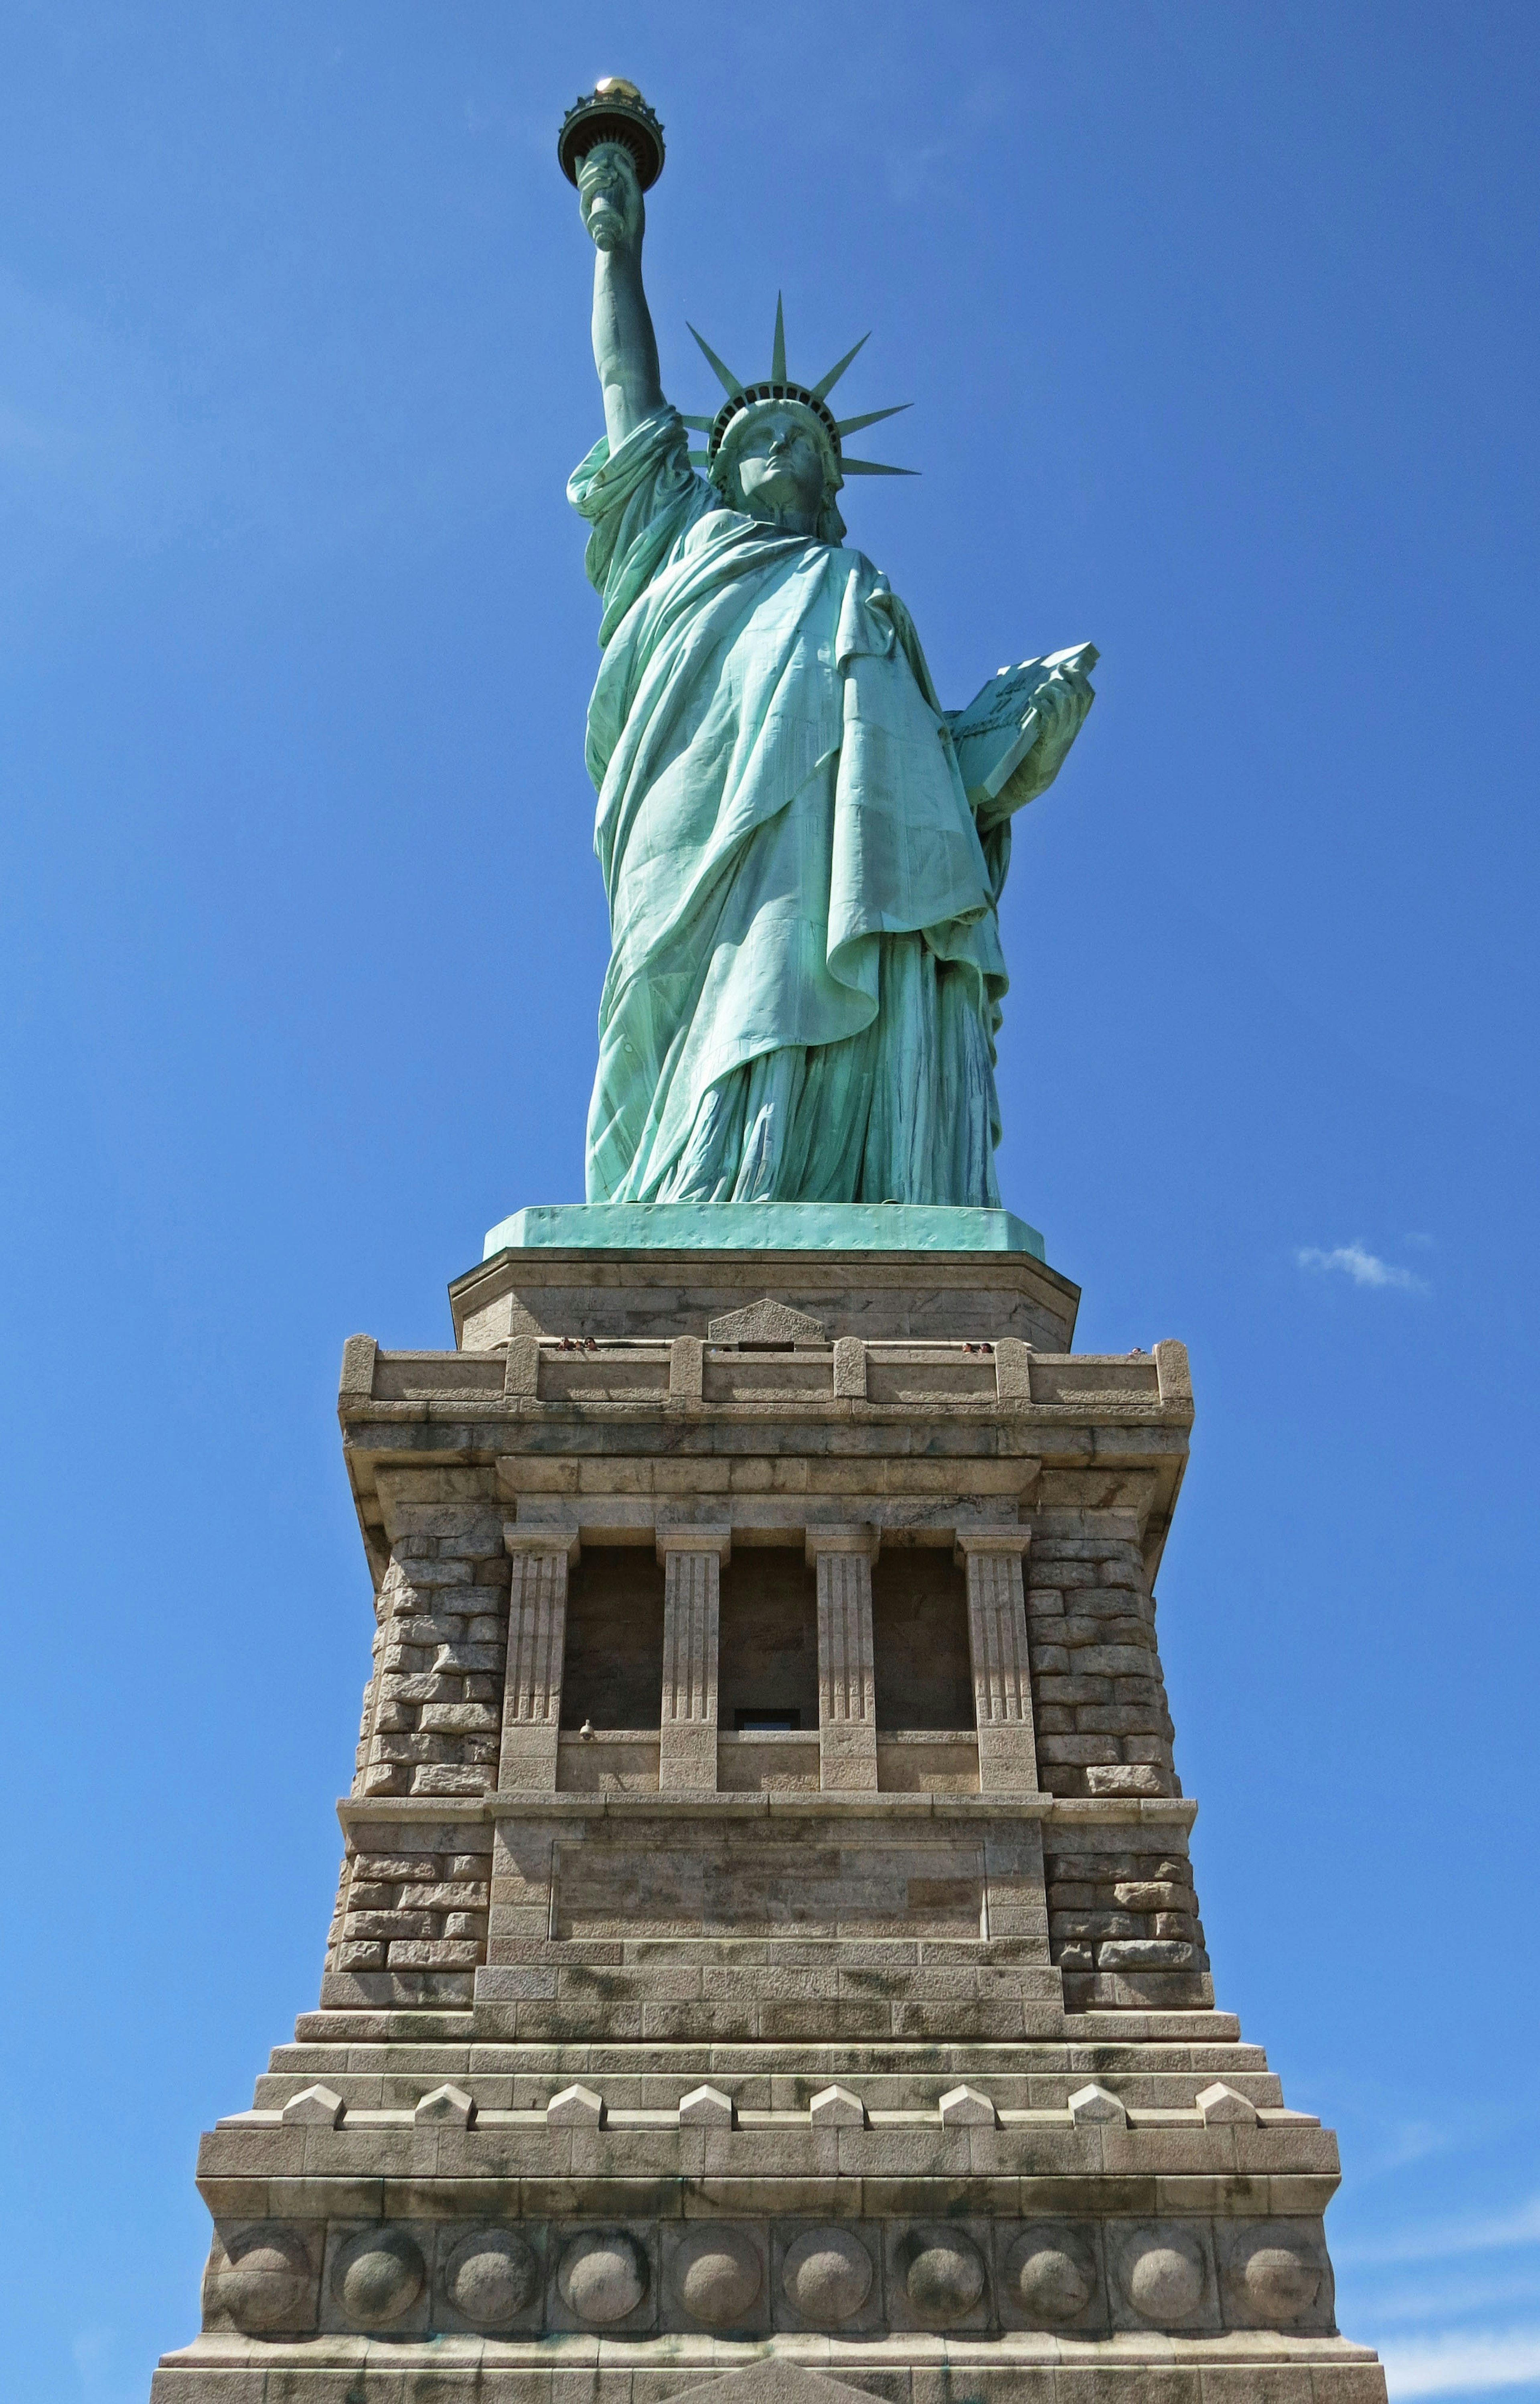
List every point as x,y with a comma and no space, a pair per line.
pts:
748,1720
768,1637
919,1640
613,1671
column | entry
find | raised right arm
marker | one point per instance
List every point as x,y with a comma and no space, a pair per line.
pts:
625,348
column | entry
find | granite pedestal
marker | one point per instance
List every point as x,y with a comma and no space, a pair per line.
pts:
766,1958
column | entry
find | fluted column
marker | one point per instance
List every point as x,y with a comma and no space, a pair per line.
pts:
537,1636
847,1688
692,1559
997,1642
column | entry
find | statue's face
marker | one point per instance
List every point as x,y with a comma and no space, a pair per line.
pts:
780,466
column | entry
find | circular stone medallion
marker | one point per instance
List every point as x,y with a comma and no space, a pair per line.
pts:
826,2275
717,2275
1051,2274
945,2273
1280,2282
266,2281
378,2277
1163,2276
603,2276
490,2276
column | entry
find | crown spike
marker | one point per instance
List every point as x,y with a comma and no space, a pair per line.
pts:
872,418
723,373
696,424
699,458
822,391
871,468
777,348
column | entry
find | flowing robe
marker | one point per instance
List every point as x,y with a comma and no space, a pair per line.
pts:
805,975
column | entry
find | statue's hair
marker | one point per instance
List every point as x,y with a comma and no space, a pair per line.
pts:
723,471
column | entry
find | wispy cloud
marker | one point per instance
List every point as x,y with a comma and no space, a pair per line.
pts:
1358,1262
92,2351
1462,2363
1434,2242
1426,2299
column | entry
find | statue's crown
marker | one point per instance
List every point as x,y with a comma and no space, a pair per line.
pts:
613,111
780,386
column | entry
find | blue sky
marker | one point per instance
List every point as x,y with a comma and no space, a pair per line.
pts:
1220,325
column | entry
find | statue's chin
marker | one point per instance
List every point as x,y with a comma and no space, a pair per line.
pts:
781,504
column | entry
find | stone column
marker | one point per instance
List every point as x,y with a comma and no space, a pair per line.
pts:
847,1689
537,1636
997,1642
692,1559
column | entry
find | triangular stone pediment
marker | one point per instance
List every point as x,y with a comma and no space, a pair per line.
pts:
766,1321
776,2383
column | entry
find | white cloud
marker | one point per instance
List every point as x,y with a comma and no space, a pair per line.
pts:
1439,2238
1441,2301
1462,2363
1364,1266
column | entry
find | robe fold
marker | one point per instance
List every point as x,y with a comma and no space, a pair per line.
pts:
805,975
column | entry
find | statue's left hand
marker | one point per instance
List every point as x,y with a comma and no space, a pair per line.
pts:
1061,704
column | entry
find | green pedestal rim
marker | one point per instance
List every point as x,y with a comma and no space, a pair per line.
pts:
762,1227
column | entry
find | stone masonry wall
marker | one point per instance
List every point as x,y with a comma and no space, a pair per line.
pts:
412,1915
412,1906
436,1700
1123,1920
1097,1695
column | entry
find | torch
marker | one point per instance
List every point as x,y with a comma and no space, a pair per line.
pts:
613,111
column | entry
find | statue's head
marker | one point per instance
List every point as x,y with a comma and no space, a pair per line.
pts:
776,460
777,450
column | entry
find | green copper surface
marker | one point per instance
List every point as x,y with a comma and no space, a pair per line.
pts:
762,1226
803,851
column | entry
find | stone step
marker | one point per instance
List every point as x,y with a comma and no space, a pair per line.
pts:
395,2026
251,2150
395,2089
693,2063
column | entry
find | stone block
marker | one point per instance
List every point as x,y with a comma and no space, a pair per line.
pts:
706,2108
1095,2104
315,2107
445,2107
356,1383
1152,1895
521,1370
963,2107
1126,1778
1219,2104
766,1321
1173,1374
1012,1372
576,2107
686,1356
850,1369
836,2107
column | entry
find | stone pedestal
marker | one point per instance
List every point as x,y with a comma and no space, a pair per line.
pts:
766,1956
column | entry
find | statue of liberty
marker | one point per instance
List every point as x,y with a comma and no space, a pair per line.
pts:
803,853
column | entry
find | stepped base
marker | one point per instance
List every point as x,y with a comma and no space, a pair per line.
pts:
1019,2369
